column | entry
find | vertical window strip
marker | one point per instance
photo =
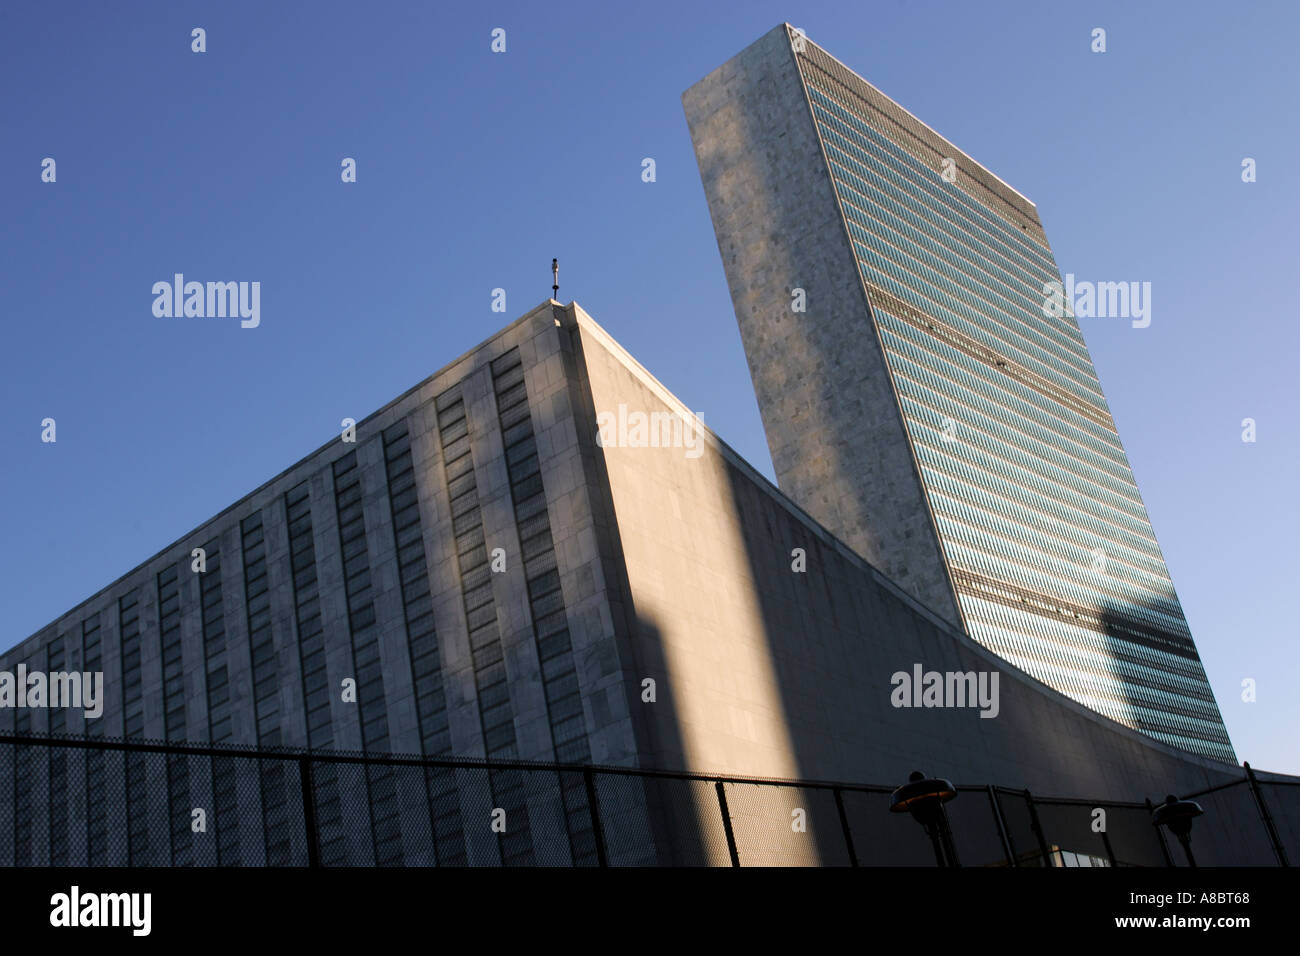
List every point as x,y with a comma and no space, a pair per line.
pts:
315,682
272,779
367,665
179,802
224,795
25,762
92,657
496,715
545,599
422,643
137,771
55,659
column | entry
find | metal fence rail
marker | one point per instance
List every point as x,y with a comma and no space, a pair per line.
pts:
106,802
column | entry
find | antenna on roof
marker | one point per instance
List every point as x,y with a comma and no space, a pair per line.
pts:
555,279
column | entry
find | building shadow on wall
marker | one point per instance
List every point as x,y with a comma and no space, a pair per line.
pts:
1177,723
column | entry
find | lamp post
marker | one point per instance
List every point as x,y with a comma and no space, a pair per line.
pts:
1178,815
923,797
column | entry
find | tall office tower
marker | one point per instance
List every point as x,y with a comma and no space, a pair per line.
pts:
919,402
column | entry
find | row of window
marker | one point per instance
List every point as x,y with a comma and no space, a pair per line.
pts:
1017,415
975,216
179,801
956,305
316,690
821,70
902,221
272,777
422,645
1049,515
92,657
128,616
1036,546
918,197
999,477
994,297
367,667
1038,386
894,224
496,713
914,231
966,547
225,799
1099,676
1019,638
926,427
1103,645
545,600
60,847
975,435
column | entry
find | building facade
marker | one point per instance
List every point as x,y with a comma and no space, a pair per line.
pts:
318,613
921,401
493,569
540,554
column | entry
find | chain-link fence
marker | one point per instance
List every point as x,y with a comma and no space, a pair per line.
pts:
101,802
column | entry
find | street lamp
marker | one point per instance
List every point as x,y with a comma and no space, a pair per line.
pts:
923,797
1178,815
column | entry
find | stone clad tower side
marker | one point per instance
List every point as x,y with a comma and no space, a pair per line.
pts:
836,435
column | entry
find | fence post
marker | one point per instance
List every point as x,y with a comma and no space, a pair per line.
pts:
1038,829
1264,814
1164,850
726,824
308,811
1003,835
589,779
844,825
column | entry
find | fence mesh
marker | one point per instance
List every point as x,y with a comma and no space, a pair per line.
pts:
1283,802
881,838
975,832
785,826
1017,814
1236,807
97,802
1099,834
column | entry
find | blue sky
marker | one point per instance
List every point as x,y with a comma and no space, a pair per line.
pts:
474,169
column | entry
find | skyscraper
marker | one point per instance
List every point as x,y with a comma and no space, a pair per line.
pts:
919,400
